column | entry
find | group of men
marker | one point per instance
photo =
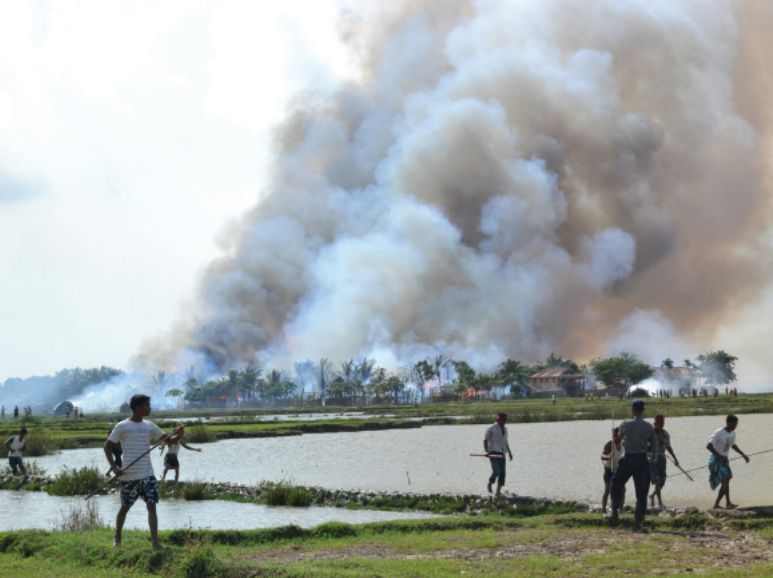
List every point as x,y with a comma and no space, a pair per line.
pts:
128,443
637,450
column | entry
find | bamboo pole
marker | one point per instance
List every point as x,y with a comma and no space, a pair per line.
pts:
111,480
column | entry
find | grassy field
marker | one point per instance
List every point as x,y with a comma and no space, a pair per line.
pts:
567,545
92,431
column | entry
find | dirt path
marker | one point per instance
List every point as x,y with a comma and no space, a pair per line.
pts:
699,551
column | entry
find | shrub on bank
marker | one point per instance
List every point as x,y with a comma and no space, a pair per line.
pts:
299,497
67,444
39,443
199,433
81,517
76,482
30,420
194,491
283,494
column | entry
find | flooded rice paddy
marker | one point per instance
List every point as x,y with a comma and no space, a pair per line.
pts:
552,460
22,510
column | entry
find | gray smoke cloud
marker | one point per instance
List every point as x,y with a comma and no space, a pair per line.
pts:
502,179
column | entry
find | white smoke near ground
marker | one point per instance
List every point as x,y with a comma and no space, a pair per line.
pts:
504,179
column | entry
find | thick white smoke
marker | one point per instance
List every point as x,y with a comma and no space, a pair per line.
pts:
505,179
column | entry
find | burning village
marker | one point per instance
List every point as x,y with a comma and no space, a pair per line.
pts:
345,288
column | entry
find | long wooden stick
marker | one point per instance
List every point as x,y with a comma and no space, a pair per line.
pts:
487,455
689,477
111,480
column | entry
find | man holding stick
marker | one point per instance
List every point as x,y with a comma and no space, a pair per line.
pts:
135,434
720,473
638,438
495,442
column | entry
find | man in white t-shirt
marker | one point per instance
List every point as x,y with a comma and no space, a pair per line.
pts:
495,444
720,474
16,445
137,478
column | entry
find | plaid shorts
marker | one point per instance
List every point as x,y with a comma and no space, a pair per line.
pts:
146,488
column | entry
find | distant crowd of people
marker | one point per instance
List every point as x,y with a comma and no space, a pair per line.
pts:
27,411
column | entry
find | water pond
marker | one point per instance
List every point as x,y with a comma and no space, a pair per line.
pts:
23,510
554,460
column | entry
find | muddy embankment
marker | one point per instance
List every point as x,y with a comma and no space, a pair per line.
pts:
445,504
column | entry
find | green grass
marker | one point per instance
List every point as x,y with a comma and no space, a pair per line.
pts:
76,481
575,545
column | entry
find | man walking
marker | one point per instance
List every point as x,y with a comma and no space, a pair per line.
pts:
135,435
720,473
657,459
495,444
16,445
638,437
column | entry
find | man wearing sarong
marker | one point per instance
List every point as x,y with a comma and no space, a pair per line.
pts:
638,438
495,444
657,459
720,473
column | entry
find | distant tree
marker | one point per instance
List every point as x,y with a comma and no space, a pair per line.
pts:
156,382
364,369
324,374
249,379
484,382
421,373
439,362
718,367
689,364
515,374
465,376
621,371
667,363
348,369
175,393
554,361
395,386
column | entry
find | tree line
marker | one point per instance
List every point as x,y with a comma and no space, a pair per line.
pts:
360,377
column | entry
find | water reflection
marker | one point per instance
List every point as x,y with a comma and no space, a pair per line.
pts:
553,460
22,510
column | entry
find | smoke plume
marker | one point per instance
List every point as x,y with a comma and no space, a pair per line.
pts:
504,179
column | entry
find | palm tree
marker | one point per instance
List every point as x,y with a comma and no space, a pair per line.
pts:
439,362
513,373
249,379
157,381
365,368
348,369
324,374
667,364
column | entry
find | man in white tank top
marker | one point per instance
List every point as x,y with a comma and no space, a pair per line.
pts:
610,455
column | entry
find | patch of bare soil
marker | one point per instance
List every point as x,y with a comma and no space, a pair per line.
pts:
701,551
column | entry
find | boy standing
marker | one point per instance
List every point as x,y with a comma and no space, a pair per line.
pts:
657,459
170,460
15,447
720,474
495,442
610,456
134,435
